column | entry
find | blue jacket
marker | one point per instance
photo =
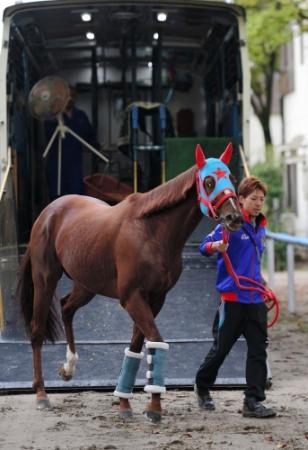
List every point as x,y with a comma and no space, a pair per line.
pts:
245,249
72,148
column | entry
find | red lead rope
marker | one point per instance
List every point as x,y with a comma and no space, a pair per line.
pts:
270,298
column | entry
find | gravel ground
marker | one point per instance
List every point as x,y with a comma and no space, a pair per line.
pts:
89,420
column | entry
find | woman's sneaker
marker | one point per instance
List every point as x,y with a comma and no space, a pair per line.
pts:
205,400
253,408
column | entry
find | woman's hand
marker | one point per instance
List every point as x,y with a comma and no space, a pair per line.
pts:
220,246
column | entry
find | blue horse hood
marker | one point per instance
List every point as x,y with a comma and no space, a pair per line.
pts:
221,174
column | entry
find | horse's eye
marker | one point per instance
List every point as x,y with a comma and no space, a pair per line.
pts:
209,184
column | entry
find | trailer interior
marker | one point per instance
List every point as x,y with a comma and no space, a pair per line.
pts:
183,59
119,53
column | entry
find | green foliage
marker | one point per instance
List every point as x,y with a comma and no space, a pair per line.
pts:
268,26
268,29
272,176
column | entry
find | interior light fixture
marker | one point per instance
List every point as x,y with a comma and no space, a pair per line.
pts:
90,35
150,64
155,36
161,16
86,17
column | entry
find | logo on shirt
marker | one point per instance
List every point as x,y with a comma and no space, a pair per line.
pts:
244,236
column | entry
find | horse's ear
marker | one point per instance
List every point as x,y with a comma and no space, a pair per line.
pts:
227,154
200,158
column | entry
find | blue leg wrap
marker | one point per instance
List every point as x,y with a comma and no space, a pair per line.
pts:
127,377
157,354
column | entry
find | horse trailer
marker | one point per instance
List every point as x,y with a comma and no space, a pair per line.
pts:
155,78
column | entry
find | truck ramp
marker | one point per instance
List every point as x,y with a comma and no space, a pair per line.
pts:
103,330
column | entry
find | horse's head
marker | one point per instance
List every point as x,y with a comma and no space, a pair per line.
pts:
216,193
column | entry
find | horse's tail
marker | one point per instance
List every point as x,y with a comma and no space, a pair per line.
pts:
25,290
24,296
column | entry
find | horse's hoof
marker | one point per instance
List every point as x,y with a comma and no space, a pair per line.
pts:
127,414
153,416
63,375
43,404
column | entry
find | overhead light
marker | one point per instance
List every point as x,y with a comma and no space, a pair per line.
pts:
90,35
161,16
86,17
150,64
155,36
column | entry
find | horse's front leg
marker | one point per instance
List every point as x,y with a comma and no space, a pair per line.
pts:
155,405
70,303
143,314
127,378
156,358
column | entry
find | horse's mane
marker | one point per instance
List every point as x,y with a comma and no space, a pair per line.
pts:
166,195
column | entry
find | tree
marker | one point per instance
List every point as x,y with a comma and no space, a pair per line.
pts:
268,29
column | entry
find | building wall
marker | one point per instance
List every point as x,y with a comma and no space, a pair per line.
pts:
290,138
257,142
295,149
295,103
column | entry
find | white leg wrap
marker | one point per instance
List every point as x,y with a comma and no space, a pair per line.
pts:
128,374
70,365
119,394
128,352
154,389
156,360
162,345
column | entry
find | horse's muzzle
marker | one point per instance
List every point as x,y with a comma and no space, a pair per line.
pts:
233,221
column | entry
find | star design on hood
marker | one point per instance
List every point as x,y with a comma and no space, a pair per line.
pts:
220,173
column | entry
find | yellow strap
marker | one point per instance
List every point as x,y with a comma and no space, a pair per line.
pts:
135,176
7,169
245,165
163,171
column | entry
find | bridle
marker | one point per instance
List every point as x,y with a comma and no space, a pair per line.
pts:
270,299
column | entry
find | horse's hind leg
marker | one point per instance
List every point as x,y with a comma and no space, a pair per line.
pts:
44,288
70,304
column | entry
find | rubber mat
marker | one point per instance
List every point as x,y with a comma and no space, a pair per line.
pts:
103,330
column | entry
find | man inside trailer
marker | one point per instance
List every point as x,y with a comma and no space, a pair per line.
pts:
72,150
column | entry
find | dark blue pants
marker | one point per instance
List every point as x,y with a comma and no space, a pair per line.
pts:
71,180
232,320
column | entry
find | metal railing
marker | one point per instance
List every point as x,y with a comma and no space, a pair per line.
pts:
290,241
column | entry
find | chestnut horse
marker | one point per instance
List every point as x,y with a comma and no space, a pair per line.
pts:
131,252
